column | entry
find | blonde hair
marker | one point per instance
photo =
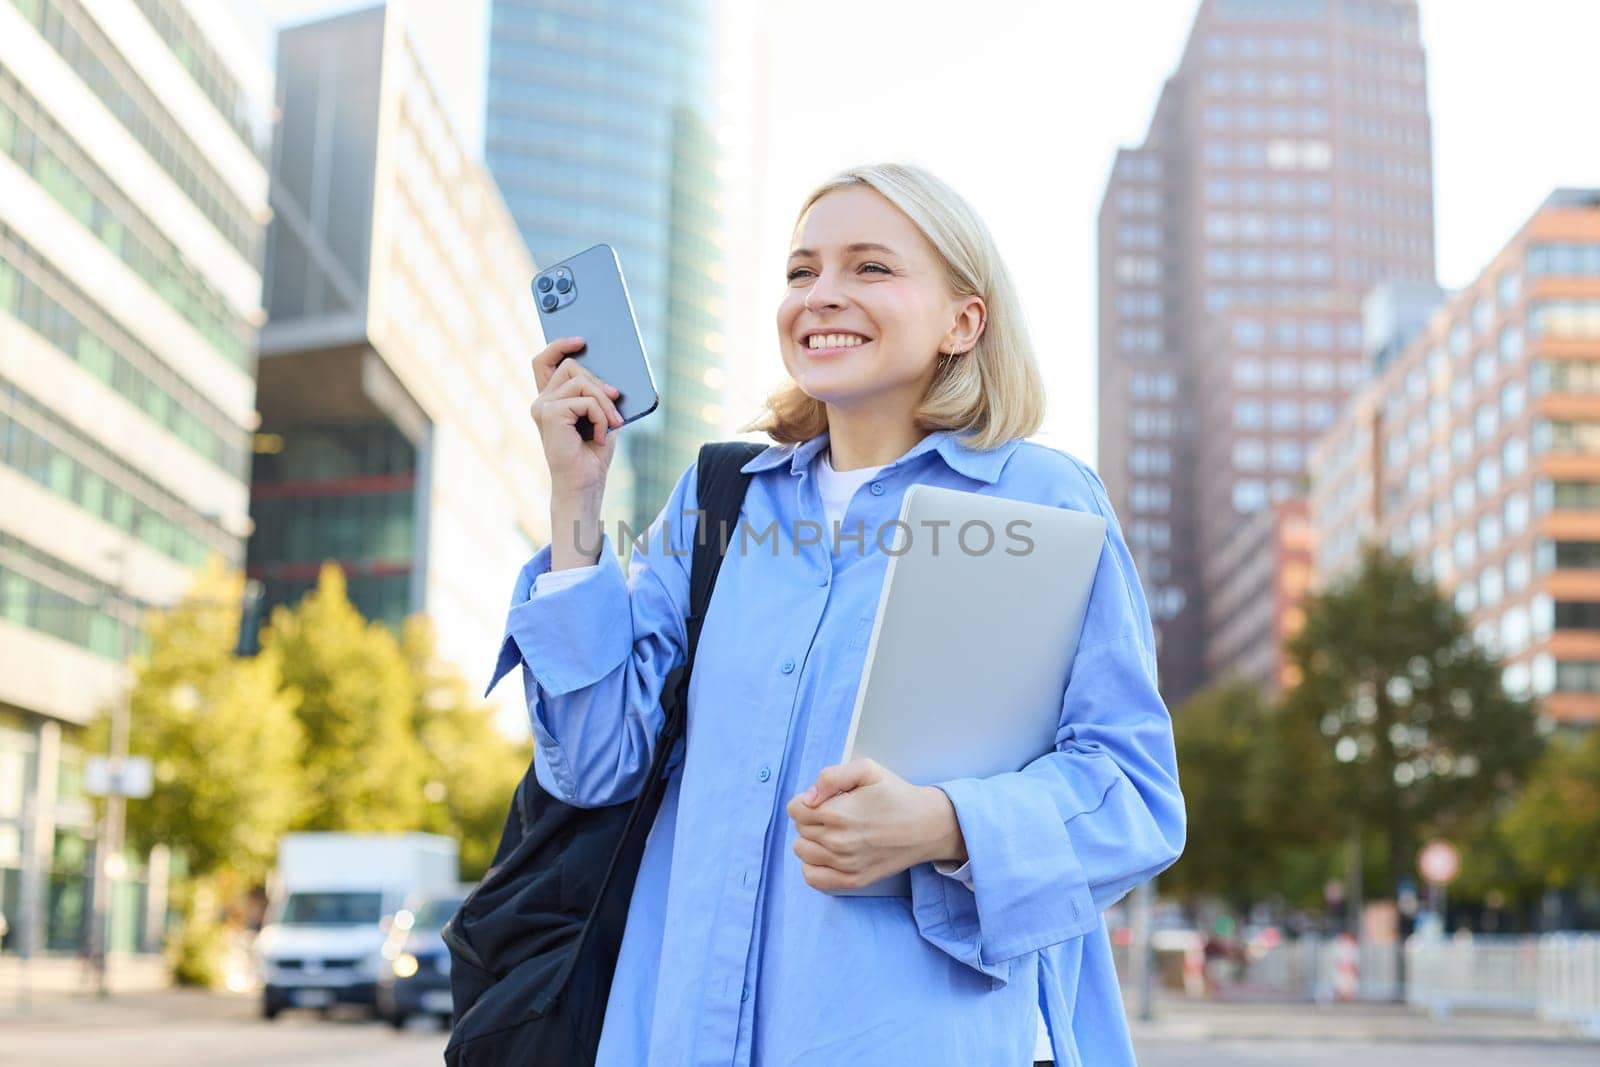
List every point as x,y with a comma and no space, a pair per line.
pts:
990,394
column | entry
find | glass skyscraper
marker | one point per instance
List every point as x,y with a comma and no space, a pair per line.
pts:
598,130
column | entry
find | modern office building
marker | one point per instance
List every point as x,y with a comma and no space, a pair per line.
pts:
1256,583
394,379
1269,551
1477,453
599,130
1287,170
133,197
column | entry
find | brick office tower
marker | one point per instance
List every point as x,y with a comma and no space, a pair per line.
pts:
1287,170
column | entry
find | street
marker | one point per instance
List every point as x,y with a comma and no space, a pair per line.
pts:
1261,1053
1188,1033
187,1026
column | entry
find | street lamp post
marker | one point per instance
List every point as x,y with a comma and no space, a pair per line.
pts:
126,777
108,844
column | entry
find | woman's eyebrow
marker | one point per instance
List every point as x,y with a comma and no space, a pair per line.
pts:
860,246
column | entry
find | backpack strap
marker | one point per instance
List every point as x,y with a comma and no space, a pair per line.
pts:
720,493
720,489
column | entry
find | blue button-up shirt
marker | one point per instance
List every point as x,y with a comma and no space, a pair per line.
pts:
729,956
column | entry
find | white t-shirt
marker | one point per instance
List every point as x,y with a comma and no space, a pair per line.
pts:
836,489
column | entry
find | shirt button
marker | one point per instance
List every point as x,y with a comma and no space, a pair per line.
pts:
787,667
764,773
744,994
823,580
877,488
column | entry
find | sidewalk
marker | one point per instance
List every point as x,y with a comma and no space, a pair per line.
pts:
25,984
1178,1018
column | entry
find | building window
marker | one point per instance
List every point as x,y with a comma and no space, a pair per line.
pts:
1488,476
1518,572
1483,368
1249,495
1511,343
1488,532
1151,459
1249,454
1565,260
1565,318
1152,422
1516,513
1512,396
1482,314
1151,496
1249,333
1486,421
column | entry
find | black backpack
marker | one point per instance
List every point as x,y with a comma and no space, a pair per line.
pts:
534,945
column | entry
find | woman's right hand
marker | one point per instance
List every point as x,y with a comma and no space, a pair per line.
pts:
568,391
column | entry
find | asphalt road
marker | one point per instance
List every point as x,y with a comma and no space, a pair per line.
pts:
1304,1052
193,1028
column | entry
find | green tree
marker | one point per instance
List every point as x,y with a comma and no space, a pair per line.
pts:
1260,821
1554,825
1217,732
470,769
224,745
361,762
1412,719
220,733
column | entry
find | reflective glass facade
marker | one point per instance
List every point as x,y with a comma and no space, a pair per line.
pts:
598,131
345,494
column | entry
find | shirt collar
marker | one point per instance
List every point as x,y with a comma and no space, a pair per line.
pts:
982,466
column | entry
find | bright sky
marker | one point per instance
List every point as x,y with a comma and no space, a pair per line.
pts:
1022,113
1021,106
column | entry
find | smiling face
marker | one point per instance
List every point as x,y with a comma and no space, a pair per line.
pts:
868,307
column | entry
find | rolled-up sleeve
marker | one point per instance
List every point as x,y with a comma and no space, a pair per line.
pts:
1051,846
596,650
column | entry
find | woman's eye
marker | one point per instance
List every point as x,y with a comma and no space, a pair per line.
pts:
798,271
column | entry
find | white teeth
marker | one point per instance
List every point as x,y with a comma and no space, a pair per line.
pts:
835,340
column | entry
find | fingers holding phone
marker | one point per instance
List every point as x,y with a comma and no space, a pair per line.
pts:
570,396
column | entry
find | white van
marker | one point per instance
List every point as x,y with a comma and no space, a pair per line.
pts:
323,936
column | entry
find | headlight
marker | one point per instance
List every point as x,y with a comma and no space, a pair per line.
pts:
405,965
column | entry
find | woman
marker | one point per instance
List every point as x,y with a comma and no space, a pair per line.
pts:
909,361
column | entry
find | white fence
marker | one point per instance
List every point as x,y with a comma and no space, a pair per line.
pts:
1554,976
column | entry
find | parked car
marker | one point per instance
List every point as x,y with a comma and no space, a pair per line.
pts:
415,976
322,941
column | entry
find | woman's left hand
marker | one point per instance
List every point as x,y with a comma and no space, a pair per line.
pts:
860,822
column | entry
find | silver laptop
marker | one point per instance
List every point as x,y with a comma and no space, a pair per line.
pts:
973,640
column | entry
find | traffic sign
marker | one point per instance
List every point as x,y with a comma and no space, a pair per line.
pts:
127,777
1439,862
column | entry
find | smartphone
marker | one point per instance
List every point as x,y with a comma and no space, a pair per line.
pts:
585,296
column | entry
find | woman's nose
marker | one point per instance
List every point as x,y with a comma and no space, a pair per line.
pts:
823,293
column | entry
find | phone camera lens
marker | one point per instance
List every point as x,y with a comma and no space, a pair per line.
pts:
549,301
544,284
563,284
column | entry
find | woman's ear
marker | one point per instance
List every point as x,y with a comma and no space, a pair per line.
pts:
971,318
